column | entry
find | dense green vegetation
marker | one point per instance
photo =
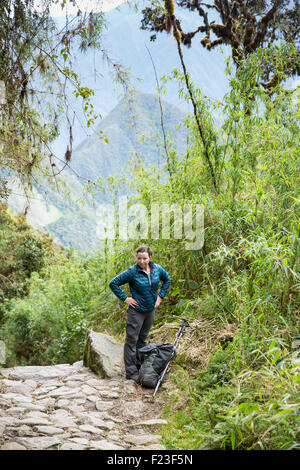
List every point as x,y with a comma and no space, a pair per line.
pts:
246,175
23,250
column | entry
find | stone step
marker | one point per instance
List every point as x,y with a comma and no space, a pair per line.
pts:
69,407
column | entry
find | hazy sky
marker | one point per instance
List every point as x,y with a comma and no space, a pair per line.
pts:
104,5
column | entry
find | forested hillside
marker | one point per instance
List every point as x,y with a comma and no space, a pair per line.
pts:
23,251
132,129
234,383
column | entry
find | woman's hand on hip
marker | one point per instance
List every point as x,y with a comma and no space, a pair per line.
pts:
131,301
158,301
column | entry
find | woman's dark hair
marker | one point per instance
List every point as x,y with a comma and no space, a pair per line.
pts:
144,249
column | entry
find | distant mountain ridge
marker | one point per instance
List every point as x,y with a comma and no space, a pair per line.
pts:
127,44
130,129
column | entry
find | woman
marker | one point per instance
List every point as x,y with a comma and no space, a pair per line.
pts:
143,279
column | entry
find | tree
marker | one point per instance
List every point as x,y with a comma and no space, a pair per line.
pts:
244,25
36,69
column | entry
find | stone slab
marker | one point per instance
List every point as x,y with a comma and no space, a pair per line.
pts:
103,354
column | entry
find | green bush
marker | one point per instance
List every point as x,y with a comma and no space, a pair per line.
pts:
49,325
23,251
71,342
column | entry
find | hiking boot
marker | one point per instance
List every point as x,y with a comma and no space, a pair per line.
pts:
133,377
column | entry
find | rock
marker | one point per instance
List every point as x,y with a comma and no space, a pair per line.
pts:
77,378
107,394
15,410
104,405
46,402
64,422
12,446
111,418
103,354
17,387
8,421
63,403
24,430
36,414
150,422
114,382
87,390
72,383
129,386
31,383
72,446
63,392
70,408
142,439
74,431
105,445
75,408
43,390
61,413
61,418
15,397
39,443
133,408
92,398
150,447
97,383
90,429
38,373
79,401
49,430
79,440
99,423
114,436
78,365
5,372
32,407
51,383
34,421
4,402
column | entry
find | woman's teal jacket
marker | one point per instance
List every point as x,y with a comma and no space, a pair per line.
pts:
142,290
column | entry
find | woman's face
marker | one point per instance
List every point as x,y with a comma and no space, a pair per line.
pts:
142,259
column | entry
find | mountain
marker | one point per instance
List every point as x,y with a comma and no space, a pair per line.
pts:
126,43
131,127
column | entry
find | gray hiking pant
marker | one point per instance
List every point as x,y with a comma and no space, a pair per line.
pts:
138,325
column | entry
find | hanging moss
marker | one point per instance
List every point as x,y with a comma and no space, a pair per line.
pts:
177,35
170,7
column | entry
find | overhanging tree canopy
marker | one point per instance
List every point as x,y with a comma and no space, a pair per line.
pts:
245,25
36,69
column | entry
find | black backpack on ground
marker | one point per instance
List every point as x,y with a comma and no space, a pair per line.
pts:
154,359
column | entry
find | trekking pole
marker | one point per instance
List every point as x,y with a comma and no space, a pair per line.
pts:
181,330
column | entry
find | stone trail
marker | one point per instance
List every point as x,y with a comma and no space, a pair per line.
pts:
68,407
